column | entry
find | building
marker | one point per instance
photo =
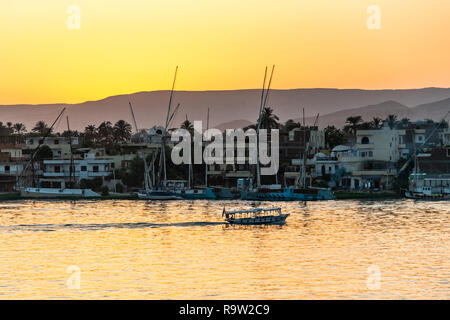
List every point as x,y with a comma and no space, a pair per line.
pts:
60,146
57,173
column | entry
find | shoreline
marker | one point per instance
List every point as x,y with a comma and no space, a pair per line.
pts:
339,196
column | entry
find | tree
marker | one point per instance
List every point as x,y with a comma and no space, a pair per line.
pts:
105,132
291,124
90,135
122,131
187,125
268,119
376,123
334,136
43,153
353,124
41,128
391,120
134,177
19,128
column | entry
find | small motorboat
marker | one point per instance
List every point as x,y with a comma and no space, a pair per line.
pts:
255,216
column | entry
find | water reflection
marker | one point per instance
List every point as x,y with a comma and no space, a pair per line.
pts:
183,249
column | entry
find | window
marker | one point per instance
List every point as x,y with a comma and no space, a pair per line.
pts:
57,169
95,168
365,140
56,141
363,154
83,168
31,141
7,168
370,153
448,152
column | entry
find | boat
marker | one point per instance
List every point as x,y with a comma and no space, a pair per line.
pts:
256,216
424,187
276,193
225,193
158,194
57,193
197,194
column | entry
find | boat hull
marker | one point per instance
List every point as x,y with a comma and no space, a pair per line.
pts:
431,197
58,193
158,196
287,195
276,219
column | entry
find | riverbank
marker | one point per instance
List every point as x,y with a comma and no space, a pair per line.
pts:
340,195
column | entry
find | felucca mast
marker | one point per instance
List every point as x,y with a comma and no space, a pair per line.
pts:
33,154
163,149
261,110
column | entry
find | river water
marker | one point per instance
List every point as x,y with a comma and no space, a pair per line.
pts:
183,250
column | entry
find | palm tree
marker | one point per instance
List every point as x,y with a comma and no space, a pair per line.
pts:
187,125
42,128
352,124
291,124
376,123
105,132
19,128
122,131
269,120
391,120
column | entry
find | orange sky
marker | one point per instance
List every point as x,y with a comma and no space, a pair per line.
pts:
134,45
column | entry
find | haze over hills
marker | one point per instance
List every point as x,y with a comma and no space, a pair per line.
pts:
236,108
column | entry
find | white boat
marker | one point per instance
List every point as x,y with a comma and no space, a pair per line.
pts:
158,194
255,216
56,193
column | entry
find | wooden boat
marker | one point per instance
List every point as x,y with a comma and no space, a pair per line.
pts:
57,193
255,216
158,194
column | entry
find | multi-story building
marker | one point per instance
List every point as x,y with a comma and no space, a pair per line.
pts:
60,146
11,165
57,173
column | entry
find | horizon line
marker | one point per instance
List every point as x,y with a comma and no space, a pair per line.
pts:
212,90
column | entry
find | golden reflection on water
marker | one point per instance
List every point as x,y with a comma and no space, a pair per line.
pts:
182,250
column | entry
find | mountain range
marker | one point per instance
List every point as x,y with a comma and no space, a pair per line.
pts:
238,108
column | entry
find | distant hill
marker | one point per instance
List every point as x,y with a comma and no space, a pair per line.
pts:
227,106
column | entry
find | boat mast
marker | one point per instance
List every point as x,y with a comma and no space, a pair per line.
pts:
41,142
206,165
261,110
163,158
71,154
147,183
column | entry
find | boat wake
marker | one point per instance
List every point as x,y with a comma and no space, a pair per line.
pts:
98,226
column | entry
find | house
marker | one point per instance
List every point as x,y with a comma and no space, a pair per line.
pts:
60,146
57,173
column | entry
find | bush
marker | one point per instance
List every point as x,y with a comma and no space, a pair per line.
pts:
105,191
119,187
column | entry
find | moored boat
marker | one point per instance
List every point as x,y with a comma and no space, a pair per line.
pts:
58,193
255,216
271,193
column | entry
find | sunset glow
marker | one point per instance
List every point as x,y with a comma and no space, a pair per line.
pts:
129,46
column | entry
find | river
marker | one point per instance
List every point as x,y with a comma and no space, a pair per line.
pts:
182,250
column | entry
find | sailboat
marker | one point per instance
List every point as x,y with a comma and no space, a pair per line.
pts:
152,191
192,193
38,192
276,192
421,186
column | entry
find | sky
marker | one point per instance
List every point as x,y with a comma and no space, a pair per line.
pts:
129,46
